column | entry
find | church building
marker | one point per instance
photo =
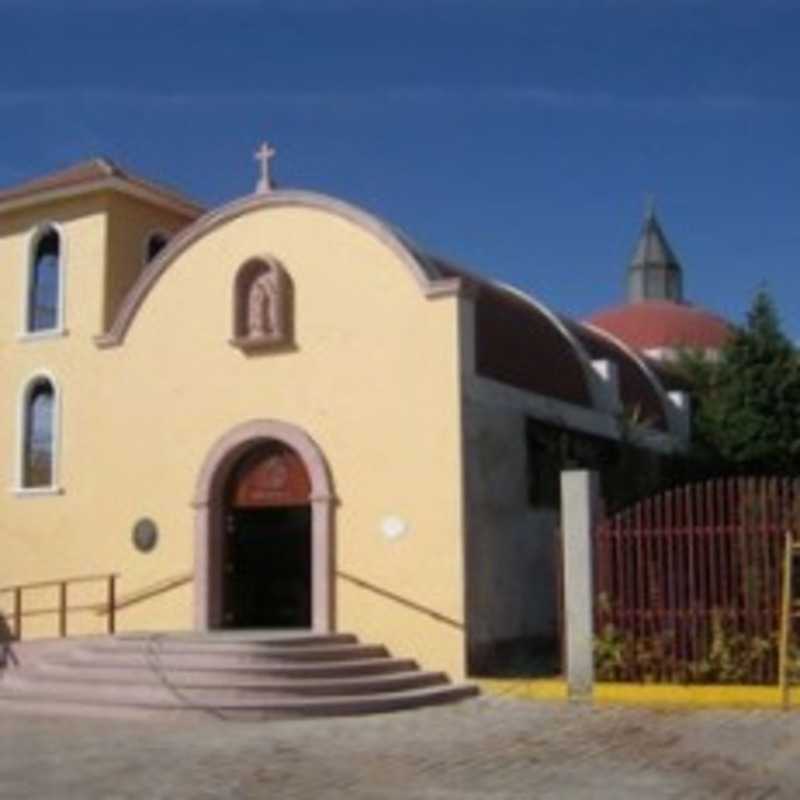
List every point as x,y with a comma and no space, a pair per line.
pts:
283,413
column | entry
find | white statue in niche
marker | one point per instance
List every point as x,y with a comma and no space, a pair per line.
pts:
259,307
262,306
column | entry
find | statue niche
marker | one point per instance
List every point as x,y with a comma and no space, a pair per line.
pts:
262,306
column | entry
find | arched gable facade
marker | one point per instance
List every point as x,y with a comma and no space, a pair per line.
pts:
431,282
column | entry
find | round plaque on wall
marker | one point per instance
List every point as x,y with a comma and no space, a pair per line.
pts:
145,535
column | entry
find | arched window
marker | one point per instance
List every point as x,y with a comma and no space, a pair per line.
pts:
155,243
44,290
262,305
38,436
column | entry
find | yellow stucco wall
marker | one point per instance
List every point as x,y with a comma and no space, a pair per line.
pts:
83,222
130,223
373,380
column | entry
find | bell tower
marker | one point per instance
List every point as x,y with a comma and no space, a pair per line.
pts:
654,272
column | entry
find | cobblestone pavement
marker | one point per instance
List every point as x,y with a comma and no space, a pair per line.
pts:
492,747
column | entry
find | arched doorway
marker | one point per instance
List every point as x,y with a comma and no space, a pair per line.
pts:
266,550
263,508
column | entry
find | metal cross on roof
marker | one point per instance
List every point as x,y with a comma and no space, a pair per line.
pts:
263,155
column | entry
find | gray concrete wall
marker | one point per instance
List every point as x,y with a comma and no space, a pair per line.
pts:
510,546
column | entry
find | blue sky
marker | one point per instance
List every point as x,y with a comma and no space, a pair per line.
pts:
517,137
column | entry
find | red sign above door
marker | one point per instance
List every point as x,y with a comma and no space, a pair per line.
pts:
273,475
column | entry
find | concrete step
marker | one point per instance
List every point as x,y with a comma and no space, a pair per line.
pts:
176,655
223,683
218,641
258,675
91,671
259,709
239,639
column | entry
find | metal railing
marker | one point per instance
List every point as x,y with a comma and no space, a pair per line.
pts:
688,583
19,611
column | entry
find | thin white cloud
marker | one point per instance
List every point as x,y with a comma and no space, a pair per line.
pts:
373,6
477,97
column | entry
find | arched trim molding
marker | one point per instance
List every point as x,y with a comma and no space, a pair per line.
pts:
209,505
429,279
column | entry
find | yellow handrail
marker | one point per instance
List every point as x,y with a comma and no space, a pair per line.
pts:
63,607
399,599
152,590
44,584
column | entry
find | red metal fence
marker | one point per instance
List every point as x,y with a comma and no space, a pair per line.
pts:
688,583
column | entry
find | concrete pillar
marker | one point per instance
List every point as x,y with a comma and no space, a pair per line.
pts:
580,502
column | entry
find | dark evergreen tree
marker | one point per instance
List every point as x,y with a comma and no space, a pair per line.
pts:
747,405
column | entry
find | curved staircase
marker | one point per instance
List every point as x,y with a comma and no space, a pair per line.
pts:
226,675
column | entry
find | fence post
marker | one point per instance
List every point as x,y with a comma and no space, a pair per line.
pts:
112,604
18,613
579,509
62,609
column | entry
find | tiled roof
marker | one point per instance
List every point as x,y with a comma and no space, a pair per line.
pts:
85,174
653,324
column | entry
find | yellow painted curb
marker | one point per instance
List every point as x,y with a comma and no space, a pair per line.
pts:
534,689
700,696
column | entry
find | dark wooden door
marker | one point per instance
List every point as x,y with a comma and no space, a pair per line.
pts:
267,558
268,568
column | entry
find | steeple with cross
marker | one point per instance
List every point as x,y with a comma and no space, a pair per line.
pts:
264,155
654,272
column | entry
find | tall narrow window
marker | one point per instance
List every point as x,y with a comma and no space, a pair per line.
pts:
155,243
37,455
43,288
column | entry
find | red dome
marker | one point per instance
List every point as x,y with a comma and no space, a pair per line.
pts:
652,324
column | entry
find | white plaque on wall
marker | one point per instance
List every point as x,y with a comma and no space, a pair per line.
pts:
393,528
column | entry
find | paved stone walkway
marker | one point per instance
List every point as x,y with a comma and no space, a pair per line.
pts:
491,748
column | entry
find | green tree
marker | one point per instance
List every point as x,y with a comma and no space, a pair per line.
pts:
747,405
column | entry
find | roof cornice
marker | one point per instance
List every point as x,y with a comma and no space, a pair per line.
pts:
111,183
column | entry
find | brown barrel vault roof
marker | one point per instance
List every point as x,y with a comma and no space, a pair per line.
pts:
518,343
638,386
